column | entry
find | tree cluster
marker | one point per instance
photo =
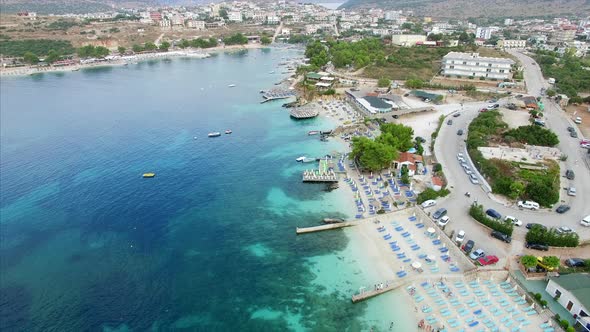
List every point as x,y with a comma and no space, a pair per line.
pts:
568,71
533,135
198,43
90,51
235,39
375,155
39,47
476,212
431,194
550,237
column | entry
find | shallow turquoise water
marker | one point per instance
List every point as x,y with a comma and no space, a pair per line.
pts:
86,244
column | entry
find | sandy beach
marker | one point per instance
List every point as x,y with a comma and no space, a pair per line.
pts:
125,60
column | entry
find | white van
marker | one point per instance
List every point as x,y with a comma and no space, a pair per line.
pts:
586,221
528,205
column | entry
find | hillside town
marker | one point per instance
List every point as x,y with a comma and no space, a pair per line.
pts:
466,142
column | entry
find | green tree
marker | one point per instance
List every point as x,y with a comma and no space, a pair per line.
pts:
516,189
31,58
164,46
137,48
184,43
235,39
372,155
101,51
52,56
121,50
384,82
414,84
397,136
528,261
150,46
223,13
265,40
551,93
551,261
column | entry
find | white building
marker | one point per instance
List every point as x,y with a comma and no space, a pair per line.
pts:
508,21
234,16
407,40
573,293
471,64
199,25
511,43
273,19
483,33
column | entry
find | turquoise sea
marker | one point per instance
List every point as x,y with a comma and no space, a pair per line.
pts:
209,244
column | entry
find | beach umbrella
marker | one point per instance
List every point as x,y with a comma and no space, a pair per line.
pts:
416,265
508,278
491,277
515,288
430,257
524,297
430,230
444,245
477,280
438,237
532,306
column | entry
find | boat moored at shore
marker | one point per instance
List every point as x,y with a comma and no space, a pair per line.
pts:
214,134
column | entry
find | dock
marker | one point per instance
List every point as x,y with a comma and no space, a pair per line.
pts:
321,228
324,173
276,94
364,295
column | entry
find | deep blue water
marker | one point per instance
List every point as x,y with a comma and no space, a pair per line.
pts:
86,244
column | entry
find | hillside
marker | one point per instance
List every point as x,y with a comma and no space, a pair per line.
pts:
473,8
81,6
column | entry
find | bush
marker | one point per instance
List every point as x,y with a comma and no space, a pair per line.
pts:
570,329
543,303
471,77
551,238
383,82
437,168
482,78
431,194
476,212
533,135
564,323
528,261
538,296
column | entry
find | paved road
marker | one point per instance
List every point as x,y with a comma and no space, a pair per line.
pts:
449,144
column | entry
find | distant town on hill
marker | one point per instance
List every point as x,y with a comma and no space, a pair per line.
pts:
478,8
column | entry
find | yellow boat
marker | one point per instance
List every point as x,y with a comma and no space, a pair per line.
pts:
149,175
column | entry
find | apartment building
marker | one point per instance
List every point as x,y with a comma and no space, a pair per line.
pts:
511,43
471,64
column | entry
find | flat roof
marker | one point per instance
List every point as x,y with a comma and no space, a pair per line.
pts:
377,102
322,84
475,56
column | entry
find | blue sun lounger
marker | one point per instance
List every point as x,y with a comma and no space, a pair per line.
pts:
420,225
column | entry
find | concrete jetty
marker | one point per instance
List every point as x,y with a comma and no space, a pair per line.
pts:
277,94
320,228
324,173
364,295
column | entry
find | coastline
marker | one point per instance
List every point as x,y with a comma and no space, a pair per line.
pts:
126,60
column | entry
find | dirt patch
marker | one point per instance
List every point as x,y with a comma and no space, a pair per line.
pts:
574,111
515,118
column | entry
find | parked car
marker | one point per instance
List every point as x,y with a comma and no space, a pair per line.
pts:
450,122
483,110
573,134
564,230
575,262
473,178
420,139
467,247
477,254
493,213
456,115
531,205
460,236
460,132
570,129
439,213
537,246
539,122
493,106
460,157
571,191
585,221
532,224
488,260
501,236
578,120
513,220
562,208
511,106
442,222
428,203
570,175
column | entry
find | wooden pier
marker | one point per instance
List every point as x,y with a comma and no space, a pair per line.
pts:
277,94
372,293
321,228
324,173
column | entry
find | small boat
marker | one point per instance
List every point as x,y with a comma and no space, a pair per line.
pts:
308,160
227,132
231,85
312,132
149,175
215,134
300,159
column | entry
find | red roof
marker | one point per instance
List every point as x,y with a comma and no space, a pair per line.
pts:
409,157
437,181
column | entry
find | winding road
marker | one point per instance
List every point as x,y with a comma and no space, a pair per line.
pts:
449,144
